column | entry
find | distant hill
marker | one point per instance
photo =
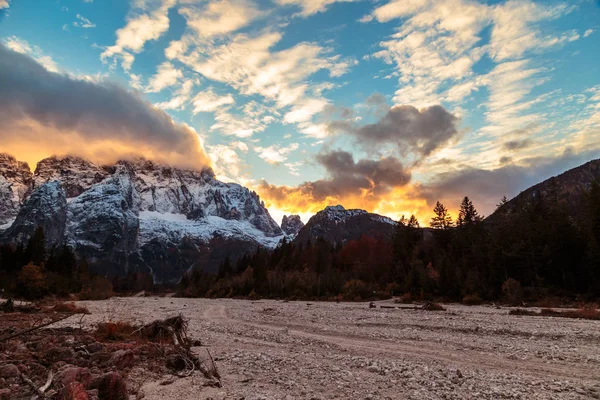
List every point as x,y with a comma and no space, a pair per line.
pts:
566,189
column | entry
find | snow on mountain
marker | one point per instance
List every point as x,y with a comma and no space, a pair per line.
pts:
139,214
338,225
15,183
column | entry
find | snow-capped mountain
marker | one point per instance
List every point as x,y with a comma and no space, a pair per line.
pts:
134,214
15,183
338,225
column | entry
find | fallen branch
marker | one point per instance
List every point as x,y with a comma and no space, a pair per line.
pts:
32,385
35,328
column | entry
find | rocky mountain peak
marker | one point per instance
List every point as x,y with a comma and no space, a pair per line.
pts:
76,174
291,224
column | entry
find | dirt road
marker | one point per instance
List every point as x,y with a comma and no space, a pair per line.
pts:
300,350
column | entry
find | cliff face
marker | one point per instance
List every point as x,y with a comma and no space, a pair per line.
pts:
15,183
134,215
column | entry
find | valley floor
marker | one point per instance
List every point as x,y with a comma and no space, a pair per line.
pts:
297,350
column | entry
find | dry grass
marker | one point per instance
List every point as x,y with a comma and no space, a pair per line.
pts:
114,331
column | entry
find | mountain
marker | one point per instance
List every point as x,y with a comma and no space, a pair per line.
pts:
15,183
338,225
567,189
291,224
133,215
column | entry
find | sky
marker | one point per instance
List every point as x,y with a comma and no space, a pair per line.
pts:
383,105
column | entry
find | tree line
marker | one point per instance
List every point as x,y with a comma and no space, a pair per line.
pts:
533,250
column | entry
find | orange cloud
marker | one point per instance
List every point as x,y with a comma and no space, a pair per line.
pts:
45,113
399,201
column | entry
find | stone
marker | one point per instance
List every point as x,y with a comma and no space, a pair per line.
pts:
9,371
122,359
70,374
74,391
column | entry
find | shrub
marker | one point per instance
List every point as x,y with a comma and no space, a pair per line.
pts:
472,300
32,282
356,290
406,298
512,291
99,289
114,331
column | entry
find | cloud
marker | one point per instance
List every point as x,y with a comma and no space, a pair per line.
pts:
517,144
362,183
310,7
208,100
248,64
181,97
406,128
275,154
486,187
143,24
166,75
22,46
588,33
83,22
216,18
98,120
4,4
439,42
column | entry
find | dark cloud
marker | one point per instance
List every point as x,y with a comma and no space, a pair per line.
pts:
50,108
346,177
517,144
405,127
486,187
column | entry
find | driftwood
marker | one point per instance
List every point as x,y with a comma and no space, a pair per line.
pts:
38,391
35,328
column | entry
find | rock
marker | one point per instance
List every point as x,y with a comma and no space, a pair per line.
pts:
94,347
73,391
291,224
9,371
4,394
70,374
110,386
15,183
122,359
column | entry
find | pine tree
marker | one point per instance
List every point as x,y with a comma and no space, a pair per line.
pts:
442,219
36,247
413,222
467,215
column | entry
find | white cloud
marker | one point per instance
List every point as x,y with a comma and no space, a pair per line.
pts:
275,154
515,30
247,64
4,4
227,164
366,18
181,97
216,18
588,33
166,75
22,46
83,22
208,100
310,7
143,25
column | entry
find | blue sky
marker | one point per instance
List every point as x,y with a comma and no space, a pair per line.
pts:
281,91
